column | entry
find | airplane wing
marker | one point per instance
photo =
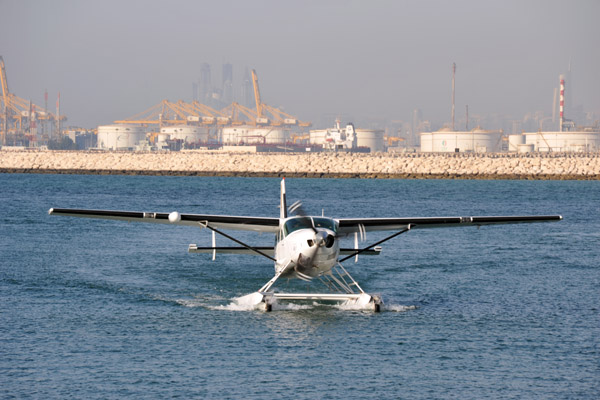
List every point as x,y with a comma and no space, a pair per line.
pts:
351,225
258,224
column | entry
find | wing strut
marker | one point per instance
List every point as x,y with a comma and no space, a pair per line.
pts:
357,252
204,224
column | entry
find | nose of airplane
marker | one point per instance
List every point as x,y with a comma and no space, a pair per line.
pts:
323,239
320,239
306,256
329,240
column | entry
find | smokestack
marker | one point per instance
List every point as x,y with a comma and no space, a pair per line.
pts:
562,102
453,75
554,106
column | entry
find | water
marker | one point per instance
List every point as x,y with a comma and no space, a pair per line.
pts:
107,309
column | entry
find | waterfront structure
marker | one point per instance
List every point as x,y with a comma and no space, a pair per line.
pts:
186,133
246,134
574,141
371,138
349,138
447,140
120,137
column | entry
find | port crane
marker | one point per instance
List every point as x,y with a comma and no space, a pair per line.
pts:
195,113
179,113
19,116
277,117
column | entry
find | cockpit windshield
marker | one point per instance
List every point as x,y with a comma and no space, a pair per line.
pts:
295,224
327,223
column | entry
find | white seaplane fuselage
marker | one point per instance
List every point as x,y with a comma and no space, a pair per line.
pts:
306,247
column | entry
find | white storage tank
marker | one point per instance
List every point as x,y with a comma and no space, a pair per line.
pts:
514,141
317,137
236,135
187,133
426,142
448,141
120,137
525,148
371,138
581,141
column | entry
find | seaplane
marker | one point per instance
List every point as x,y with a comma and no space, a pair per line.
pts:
306,247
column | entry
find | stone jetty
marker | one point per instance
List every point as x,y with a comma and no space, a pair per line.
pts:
312,165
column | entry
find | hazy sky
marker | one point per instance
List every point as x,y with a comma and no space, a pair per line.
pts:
111,59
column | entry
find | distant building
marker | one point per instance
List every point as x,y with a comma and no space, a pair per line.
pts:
417,117
247,92
448,141
584,140
227,84
205,84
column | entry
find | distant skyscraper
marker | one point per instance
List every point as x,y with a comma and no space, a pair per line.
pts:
247,90
194,91
227,88
416,123
205,84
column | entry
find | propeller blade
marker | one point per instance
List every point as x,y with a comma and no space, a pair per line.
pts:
295,206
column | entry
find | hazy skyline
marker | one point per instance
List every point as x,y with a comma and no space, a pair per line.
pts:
380,59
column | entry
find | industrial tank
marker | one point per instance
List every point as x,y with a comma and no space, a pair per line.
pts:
317,137
426,142
187,133
446,140
371,138
564,141
120,137
514,141
252,135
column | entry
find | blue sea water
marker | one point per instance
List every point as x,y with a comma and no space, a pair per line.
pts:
109,309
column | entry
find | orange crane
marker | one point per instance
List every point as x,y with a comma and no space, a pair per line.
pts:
16,112
257,96
180,113
300,138
392,139
168,113
278,117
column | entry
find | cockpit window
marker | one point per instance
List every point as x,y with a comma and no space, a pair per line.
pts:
296,223
327,223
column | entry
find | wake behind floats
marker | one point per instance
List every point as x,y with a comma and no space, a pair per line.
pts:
306,247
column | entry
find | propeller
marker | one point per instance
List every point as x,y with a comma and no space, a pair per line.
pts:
296,208
320,238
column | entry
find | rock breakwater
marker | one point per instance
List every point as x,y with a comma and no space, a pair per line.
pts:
342,165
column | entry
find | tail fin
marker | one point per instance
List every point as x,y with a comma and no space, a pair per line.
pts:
283,203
